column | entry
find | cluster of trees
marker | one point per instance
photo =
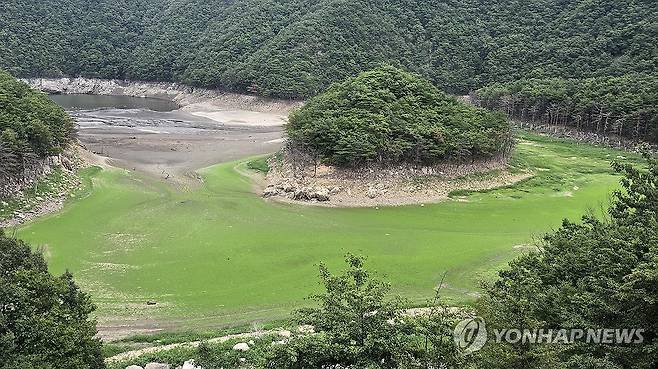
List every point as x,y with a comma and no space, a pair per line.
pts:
598,273
626,105
297,48
31,125
44,320
387,115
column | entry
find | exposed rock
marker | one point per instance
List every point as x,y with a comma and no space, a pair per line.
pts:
306,329
191,364
321,194
303,194
285,334
156,366
335,191
372,192
134,367
242,346
271,191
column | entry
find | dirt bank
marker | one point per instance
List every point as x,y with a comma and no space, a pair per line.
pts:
290,181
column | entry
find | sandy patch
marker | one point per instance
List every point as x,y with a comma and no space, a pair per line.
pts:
237,117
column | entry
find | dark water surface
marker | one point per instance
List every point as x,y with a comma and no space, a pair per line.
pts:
94,102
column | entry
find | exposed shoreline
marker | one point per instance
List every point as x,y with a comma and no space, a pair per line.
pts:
399,185
220,106
210,126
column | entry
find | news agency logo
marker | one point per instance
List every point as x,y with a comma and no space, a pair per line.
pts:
470,335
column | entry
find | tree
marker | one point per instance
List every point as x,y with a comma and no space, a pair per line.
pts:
358,325
600,273
44,320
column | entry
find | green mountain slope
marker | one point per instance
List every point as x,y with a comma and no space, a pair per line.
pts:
296,48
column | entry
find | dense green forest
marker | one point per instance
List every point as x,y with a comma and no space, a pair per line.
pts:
31,125
625,106
297,48
387,115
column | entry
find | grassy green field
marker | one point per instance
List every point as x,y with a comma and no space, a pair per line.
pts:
222,255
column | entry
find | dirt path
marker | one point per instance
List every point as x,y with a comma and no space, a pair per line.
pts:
412,312
151,350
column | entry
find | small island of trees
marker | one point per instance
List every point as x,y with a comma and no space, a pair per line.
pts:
389,116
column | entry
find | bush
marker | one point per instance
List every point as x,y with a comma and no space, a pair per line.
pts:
358,325
389,116
44,320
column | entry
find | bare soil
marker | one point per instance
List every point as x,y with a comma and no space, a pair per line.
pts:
378,186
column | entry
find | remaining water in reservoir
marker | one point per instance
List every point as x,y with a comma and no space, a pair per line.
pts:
94,102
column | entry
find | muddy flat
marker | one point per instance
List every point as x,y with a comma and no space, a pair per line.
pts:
142,135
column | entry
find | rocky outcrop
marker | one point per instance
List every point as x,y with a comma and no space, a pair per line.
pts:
32,171
296,191
56,178
294,180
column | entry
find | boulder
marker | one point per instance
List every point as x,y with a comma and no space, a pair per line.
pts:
306,329
157,366
134,367
302,194
372,193
271,191
285,334
242,346
190,364
321,194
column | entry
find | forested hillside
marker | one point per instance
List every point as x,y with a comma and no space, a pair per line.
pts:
31,126
625,106
296,48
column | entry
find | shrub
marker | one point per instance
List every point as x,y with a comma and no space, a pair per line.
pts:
44,320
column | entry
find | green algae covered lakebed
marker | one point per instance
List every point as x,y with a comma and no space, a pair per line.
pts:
219,254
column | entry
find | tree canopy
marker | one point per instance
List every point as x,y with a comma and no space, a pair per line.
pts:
44,320
297,48
390,116
30,124
598,273
626,105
